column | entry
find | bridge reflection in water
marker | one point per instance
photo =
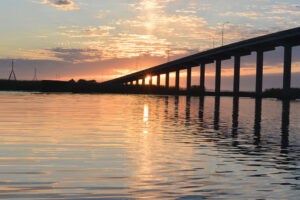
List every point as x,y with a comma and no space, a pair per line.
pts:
236,128
256,136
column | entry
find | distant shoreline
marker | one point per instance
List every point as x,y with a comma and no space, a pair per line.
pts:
82,86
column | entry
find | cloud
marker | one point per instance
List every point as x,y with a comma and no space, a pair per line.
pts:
37,54
89,32
250,15
152,18
102,14
145,5
78,55
125,45
186,11
285,11
69,55
183,33
62,4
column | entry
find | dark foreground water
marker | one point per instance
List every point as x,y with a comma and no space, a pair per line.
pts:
64,146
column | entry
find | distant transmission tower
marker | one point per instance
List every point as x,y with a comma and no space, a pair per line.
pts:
12,75
35,75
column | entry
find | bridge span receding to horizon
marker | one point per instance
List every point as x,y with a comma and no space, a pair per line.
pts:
287,39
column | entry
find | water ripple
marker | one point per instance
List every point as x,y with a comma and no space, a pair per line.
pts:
66,146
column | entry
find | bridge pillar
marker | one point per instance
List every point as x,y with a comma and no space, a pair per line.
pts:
287,70
189,79
150,80
202,77
259,72
177,79
236,79
158,79
143,81
218,77
167,79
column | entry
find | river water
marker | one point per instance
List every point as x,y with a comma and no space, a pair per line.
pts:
71,146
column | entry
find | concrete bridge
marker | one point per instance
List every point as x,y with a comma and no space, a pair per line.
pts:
287,39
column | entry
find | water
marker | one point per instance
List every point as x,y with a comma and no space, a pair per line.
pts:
66,146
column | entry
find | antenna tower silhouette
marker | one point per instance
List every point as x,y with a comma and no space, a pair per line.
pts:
35,75
168,52
12,75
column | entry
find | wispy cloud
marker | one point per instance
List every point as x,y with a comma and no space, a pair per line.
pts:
89,32
186,11
69,55
102,14
285,11
62,4
251,15
78,55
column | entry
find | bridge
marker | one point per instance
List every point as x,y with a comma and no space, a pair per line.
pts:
287,39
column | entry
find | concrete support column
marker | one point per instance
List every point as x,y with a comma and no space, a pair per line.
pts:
259,72
143,81
287,70
158,79
189,79
177,80
150,80
218,76
236,79
167,79
202,77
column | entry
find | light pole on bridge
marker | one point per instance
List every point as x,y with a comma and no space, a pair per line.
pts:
223,32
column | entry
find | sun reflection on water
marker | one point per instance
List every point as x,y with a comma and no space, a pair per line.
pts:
146,118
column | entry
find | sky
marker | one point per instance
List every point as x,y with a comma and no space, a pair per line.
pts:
101,40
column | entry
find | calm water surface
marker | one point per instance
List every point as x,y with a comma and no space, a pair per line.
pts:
66,146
